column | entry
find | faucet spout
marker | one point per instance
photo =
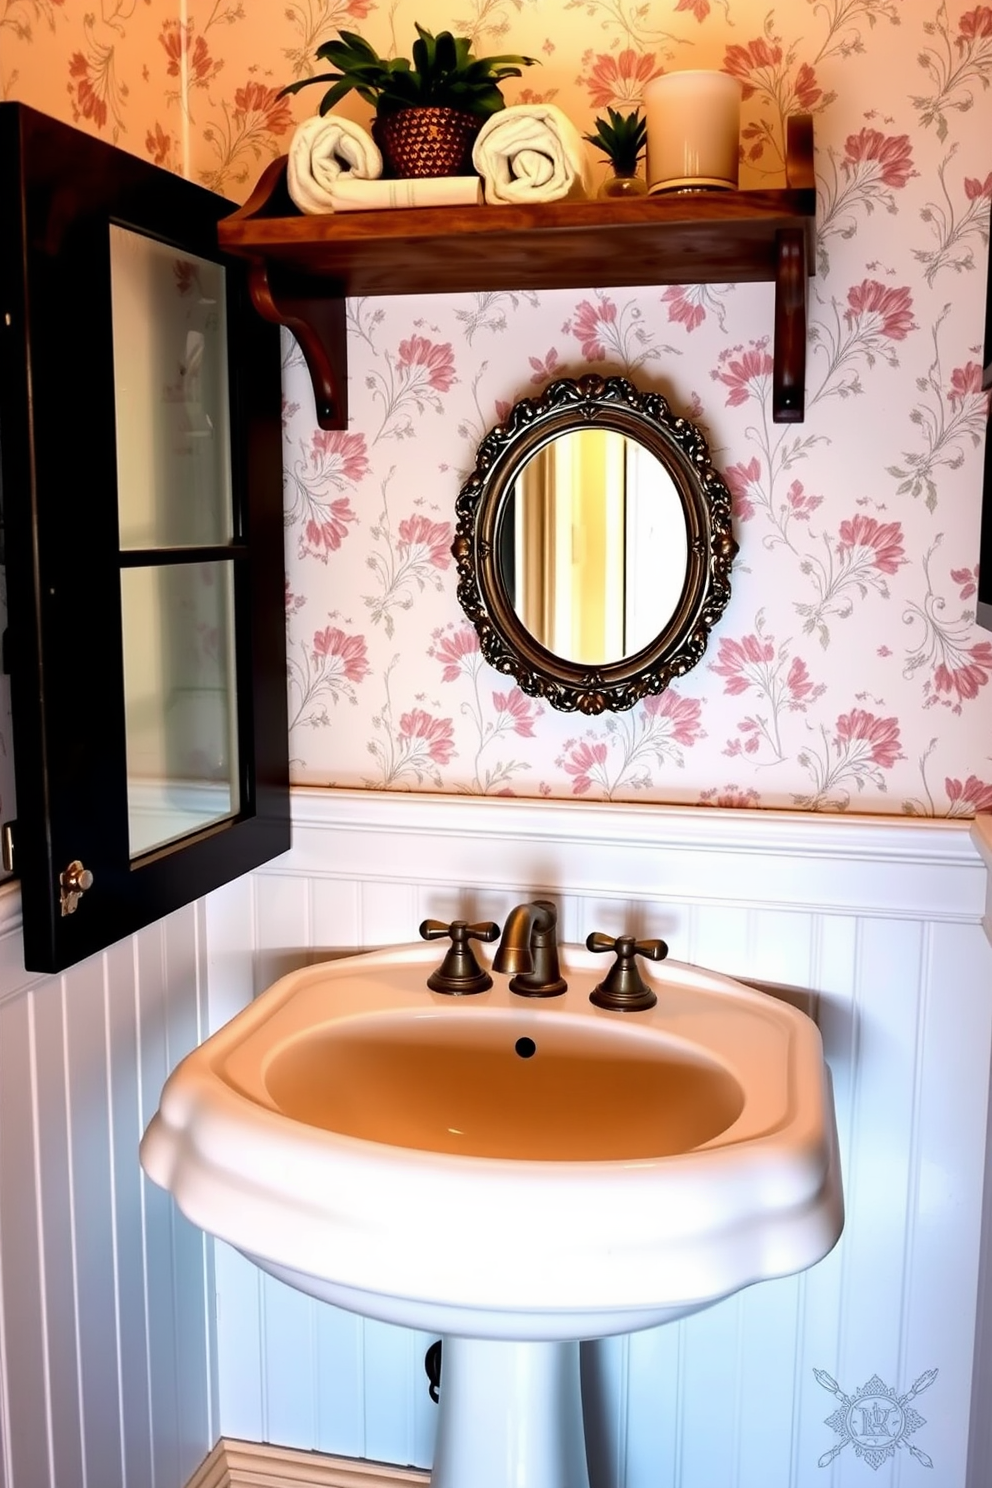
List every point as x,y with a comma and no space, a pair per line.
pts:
528,949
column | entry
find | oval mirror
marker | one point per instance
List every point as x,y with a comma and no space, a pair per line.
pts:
593,545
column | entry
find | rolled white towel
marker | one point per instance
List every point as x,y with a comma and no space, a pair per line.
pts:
325,150
531,152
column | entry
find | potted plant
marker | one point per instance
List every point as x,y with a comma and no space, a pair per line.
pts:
428,111
622,139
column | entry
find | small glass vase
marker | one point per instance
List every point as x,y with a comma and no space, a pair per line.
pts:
623,184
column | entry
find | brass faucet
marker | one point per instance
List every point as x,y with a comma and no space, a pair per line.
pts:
528,947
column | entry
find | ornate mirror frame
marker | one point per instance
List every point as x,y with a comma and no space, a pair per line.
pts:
607,403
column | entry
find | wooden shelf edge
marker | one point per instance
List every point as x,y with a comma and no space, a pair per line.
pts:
301,265
268,222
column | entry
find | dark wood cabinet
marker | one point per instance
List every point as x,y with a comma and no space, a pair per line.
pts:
84,644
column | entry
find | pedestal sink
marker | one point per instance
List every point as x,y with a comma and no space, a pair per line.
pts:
513,1175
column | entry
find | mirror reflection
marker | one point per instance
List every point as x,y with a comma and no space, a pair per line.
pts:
593,546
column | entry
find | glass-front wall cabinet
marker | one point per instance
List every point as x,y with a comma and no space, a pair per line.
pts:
142,484
174,501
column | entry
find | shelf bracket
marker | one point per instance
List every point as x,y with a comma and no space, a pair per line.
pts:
789,373
315,314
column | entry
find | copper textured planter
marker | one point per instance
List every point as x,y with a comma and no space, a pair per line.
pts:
427,141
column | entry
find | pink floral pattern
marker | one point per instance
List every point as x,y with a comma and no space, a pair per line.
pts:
864,745
189,61
617,80
780,682
412,382
517,711
584,762
854,593
431,737
968,798
403,562
872,169
328,670
459,653
879,312
610,332
865,552
731,798
422,541
493,715
746,373
433,363
655,734
948,419
247,132
689,304
955,665
741,480
956,224
334,461
97,95
955,65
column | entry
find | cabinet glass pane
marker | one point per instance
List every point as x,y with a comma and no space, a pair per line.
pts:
171,395
180,701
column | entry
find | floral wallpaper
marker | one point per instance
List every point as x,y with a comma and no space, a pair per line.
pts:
847,671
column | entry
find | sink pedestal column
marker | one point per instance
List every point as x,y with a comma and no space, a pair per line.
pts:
510,1416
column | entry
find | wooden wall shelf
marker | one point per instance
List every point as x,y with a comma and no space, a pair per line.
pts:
303,268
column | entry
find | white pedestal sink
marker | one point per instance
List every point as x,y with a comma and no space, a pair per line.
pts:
514,1175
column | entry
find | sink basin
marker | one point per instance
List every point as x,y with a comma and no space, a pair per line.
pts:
495,1168
657,1161
461,1085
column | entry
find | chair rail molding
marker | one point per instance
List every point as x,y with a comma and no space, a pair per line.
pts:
890,865
981,835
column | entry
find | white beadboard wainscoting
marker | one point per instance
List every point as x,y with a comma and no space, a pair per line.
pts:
873,925
106,1293
113,1370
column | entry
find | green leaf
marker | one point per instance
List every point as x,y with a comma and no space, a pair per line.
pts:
446,53
443,72
325,77
334,95
423,55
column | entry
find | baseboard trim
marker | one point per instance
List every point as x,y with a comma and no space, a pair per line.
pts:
241,1464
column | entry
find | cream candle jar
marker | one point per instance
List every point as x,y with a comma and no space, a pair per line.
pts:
693,120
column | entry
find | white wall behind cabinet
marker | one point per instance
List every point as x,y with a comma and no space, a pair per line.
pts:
874,924
106,1293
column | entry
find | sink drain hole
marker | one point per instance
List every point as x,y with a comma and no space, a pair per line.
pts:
525,1047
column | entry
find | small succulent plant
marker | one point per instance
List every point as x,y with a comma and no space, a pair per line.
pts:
622,138
442,74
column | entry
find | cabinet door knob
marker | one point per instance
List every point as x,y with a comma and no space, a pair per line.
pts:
73,882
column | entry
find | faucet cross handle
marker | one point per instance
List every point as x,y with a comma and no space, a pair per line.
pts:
459,973
623,989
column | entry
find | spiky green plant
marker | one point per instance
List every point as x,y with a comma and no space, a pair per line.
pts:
622,139
443,73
